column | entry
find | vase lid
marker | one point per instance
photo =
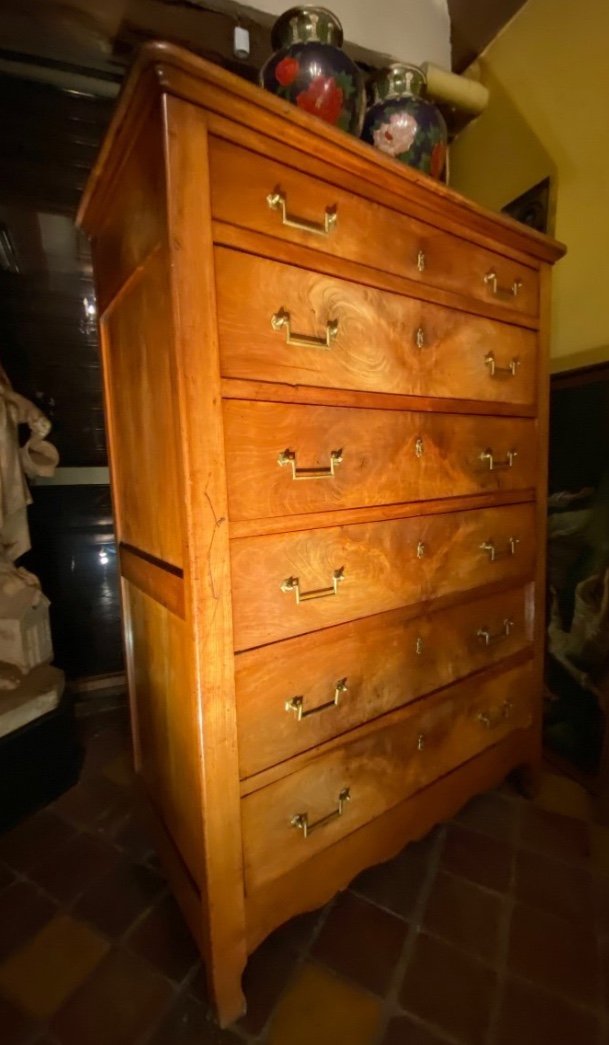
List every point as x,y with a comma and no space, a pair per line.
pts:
301,25
398,80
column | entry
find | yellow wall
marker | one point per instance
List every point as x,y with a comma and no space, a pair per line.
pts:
548,74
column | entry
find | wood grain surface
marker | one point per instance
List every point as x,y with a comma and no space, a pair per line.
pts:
163,584
241,111
384,662
132,224
211,718
364,231
386,457
267,247
218,540
385,565
168,758
380,769
384,343
305,887
143,424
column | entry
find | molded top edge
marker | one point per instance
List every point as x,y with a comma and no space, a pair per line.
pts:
161,67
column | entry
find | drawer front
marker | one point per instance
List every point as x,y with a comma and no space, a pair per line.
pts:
305,328
297,694
285,459
293,583
349,786
348,226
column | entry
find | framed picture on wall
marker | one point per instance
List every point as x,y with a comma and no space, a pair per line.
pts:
532,207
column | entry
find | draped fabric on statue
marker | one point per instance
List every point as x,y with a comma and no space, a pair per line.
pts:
36,457
25,639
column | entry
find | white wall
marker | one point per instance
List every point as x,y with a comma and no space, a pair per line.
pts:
409,30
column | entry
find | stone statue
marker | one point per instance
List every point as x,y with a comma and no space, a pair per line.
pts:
25,639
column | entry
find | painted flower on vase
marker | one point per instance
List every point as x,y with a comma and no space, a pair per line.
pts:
438,159
397,135
323,97
286,71
309,68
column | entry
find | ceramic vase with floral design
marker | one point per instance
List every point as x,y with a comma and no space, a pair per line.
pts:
310,70
401,123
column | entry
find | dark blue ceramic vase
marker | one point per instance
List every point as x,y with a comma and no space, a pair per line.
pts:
403,124
310,70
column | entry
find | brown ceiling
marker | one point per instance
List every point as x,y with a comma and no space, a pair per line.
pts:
474,23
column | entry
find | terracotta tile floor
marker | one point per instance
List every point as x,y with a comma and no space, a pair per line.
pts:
493,930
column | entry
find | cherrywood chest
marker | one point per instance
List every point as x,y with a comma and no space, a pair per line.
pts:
326,404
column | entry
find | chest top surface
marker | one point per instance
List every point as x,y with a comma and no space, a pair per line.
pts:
165,69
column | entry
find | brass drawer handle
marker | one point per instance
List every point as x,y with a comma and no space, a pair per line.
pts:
289,457
493,554
488,456
420,741
488,638
293,584
281,321
496,371
301,820
491,280
491,719
421,549
419,337
421,260
296,704
277,201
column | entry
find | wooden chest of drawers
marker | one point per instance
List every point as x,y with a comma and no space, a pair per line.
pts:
326,405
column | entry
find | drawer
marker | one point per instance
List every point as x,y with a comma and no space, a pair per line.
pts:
301,327
344,789
248,189
293,583
283,459
297,694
